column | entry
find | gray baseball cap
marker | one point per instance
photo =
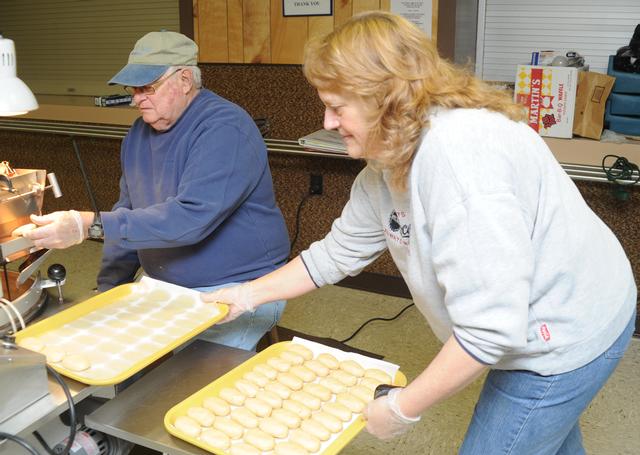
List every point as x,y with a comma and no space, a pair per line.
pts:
153,55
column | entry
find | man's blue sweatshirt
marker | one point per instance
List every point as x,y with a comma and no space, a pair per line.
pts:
196,204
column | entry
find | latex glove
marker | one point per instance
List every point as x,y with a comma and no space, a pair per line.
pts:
384,418
238,298
57,230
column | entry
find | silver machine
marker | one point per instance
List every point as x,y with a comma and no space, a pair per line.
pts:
21,195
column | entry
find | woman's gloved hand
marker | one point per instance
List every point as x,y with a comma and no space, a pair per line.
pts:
57,230
384,418
238,298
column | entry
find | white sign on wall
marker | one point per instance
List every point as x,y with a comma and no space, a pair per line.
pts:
307,7
419,12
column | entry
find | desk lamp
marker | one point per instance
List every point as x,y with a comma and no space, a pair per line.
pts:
15,96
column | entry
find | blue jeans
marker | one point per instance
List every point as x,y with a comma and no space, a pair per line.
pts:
522,413
245,331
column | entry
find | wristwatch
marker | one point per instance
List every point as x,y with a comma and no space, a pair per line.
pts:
96,231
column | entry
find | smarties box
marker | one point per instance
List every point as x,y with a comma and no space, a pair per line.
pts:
548,93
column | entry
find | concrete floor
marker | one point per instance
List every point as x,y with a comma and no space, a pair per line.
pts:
610,425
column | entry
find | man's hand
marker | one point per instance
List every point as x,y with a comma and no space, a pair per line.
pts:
57,230
384,418
238,298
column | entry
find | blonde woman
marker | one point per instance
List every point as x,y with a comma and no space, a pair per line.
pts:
512,270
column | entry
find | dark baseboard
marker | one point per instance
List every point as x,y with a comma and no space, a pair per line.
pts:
378,283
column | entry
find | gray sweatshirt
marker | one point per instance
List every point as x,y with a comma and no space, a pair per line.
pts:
495,243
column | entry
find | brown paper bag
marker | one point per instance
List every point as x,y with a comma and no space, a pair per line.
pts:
591,96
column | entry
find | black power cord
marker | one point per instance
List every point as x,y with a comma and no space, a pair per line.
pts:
20,441
73,420
622,173
376,319
297,229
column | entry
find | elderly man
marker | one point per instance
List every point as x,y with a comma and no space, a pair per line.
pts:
196,204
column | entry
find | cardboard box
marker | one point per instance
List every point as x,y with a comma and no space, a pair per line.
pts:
548,93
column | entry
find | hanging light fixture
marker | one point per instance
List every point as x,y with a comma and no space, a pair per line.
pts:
15,96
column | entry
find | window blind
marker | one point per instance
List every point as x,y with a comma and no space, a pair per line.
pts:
509,30
73,47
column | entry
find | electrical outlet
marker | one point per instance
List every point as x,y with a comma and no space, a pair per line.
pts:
315,185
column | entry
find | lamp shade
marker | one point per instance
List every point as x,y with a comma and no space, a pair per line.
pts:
15,96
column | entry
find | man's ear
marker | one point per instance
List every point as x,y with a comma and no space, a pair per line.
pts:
186,79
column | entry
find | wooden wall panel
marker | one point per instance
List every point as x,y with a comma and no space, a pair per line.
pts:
320,25
256,33
212,31
365,5
342,11
235,31
288,35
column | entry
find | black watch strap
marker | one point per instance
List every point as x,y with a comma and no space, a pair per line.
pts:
96,231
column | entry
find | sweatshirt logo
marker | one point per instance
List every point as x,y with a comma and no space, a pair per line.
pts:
398,229
544,331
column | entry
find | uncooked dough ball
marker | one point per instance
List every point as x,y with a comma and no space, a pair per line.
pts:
232,396
331,423
271,398
279,389
352,367
188,426
216,405
203,416
266,370
258,379
215,438
317,367
306,399
337,410
289,380
317,390
306,440
249,389
370,383
244,417
344,377
328,360
289,418
258,407
297,408
259,439
232,429
292,358
350,401
76,362
314,428
32,343
303,373
362,392
279,364
299,349
333,384
290,448
378,375
54,354
274,427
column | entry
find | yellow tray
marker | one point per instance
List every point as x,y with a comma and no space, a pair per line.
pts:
231,377
110,327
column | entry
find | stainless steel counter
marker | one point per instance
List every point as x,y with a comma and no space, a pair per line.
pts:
137,413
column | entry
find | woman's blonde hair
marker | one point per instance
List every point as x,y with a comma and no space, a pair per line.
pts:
392,67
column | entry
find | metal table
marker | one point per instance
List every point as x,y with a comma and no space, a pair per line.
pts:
137,413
